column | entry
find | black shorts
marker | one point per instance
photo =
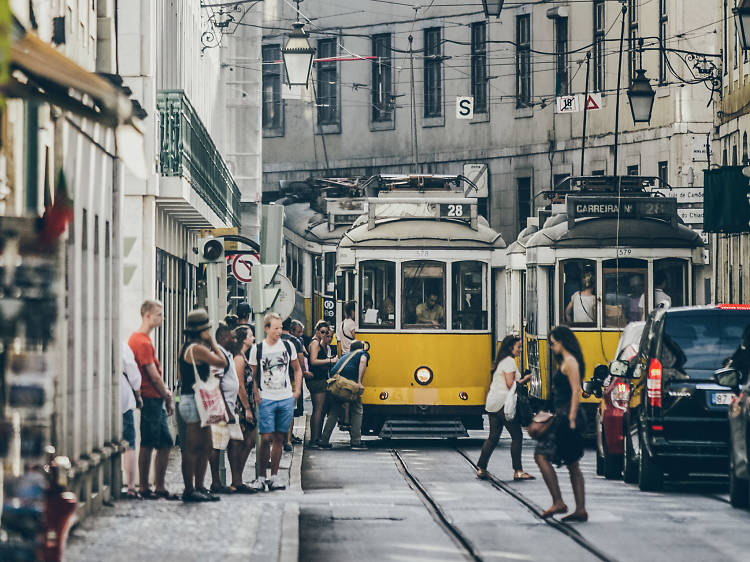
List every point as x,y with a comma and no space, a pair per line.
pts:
316,386
154,428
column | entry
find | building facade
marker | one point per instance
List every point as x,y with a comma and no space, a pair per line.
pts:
395,111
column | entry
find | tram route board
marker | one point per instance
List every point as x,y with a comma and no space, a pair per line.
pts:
664,208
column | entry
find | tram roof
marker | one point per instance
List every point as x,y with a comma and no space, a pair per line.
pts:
311,225
447,234
601,233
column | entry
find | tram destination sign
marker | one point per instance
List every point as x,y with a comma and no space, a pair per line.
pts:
664,208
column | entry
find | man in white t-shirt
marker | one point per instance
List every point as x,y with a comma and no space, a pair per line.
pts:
274,396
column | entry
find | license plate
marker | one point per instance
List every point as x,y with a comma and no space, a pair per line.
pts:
722,398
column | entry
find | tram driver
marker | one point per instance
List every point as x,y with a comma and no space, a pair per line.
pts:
430,312
582,306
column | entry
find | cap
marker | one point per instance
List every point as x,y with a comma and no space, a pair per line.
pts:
197,321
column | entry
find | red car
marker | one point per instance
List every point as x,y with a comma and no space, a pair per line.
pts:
615,394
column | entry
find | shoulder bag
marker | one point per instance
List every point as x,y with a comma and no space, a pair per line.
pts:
208,398
341,387
540,425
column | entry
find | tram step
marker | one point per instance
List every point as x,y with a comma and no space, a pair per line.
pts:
419,429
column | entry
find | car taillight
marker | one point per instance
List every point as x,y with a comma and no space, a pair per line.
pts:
653,385
725,306
620,395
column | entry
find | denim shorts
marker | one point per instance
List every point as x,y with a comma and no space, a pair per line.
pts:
187,409
128,428
154,428
275,416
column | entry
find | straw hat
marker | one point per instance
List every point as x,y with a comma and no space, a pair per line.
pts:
197,321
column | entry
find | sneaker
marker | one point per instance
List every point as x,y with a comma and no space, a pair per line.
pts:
288,447
274,485
258,485
358,447
325,446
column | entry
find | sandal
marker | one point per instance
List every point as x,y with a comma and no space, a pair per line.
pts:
244,489
520,475
132,495
482,474
554,511
576,516
222,489
149,495
165,495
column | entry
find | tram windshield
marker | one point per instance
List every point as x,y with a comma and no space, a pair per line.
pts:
377,294
625,287
670,283
423,295
469,304
579,292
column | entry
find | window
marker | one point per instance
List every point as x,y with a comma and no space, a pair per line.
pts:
377,294
600,30
632,39
272,103
479,66
328,83
469,304
664,172
561,57
524,201
330,273
382,83
423,295
745,159
670,283
523,60
663,18
632,170
531,301
597,172
625,283
578,299
433,69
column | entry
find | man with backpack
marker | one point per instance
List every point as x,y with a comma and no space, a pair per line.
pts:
269,361
351,366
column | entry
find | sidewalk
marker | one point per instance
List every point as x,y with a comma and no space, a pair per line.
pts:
243,527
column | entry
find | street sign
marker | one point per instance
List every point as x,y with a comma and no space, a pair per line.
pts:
593,102
464,107
329,310
700,149
567,104
284,304
242,267
664,208
691,216
683,194
478,175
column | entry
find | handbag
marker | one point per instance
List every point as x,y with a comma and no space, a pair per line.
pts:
209,399
509,407
524,412
341,387
235,431
219,436
540,424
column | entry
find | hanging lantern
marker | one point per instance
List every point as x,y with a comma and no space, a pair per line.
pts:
298,56
742,23
492,7
641,96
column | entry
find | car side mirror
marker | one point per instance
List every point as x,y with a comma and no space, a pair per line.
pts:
618,368
728,377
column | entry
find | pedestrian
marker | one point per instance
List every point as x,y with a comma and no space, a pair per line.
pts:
562,443
298,330
504,374
351,366
269,361
158,404
321,360
286,335
130,399
231,320
230,387
347,329
198,354
239,451
243,314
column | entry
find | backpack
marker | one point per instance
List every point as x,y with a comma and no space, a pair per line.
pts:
260,357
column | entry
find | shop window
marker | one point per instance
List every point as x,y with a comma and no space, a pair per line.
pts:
578,292
469,304
423,295
625,282
670,283
377,294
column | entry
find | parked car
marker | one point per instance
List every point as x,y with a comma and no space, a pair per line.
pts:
736,375
614,390
677,420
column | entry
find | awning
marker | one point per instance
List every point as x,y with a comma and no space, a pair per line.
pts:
38,71
726,206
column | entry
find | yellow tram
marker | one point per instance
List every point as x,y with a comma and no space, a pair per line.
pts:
603,256
421,266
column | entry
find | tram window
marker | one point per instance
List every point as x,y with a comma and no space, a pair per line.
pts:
625,282
670,283
377,294
469,305
423,295
578,292
531,301
330,272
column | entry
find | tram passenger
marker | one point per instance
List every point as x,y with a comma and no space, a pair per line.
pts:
505,372
347,329
661,297
582,306
371,314
430,312
562,443
321,360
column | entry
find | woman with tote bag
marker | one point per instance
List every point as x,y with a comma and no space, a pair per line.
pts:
500,396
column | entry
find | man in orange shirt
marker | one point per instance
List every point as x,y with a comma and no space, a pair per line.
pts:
158,403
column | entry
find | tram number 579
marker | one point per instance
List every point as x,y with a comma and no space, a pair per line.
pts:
453,210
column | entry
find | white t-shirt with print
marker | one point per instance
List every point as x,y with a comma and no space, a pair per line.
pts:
499,388
274,372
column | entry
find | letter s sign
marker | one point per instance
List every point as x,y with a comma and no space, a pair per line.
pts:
464,107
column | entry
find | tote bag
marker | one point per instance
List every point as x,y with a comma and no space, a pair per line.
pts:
208,398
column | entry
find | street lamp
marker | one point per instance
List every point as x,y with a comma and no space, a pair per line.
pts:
641,96
298,56
492,7
742,22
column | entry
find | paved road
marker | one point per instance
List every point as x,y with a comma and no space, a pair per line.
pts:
360,506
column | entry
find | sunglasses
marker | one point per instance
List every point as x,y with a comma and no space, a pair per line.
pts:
324,332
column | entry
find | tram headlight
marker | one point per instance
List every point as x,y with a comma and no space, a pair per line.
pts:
463,396
383,395
423,375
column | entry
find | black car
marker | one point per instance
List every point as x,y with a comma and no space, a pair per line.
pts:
677,420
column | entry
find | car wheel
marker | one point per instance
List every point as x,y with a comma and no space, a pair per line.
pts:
630,468
613,467
650,473
738,488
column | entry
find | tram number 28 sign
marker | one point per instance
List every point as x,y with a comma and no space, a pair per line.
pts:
455,211
664,208
329,310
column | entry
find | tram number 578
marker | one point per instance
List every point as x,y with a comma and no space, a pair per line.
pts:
453,210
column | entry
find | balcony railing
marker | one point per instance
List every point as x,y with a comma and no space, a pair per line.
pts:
188,151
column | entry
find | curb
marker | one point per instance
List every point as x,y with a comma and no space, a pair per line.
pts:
295,470
289,547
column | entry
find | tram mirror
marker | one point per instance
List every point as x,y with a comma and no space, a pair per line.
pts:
618,368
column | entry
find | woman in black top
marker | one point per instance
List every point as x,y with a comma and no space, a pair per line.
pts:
198,353
321,360
239,451
563,442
